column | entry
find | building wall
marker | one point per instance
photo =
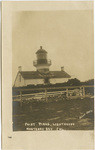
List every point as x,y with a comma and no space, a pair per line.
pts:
19,81
34,81
58,80
41,81
24,82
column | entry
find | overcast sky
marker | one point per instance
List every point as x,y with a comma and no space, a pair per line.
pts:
66,35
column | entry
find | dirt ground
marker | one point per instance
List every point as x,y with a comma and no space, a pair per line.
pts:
67,114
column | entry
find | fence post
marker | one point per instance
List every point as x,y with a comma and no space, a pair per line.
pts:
46,94
80,91
83,91
67,93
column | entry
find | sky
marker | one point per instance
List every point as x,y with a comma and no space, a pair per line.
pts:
67,36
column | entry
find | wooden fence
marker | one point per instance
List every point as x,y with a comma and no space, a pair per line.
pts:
68,90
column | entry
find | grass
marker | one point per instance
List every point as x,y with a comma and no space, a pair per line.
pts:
59,111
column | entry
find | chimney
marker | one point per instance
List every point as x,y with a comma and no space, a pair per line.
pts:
62,68
20,68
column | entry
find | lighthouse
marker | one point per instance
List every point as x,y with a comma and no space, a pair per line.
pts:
42,64
42,75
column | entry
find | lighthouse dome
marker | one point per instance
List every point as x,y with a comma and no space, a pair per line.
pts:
41,50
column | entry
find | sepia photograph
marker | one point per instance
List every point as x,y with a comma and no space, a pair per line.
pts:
52,70
47,75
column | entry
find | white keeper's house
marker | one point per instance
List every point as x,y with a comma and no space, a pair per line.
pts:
42,74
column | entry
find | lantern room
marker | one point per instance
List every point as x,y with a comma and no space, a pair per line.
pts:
42,63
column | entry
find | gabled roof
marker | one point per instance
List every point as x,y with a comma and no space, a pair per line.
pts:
37,75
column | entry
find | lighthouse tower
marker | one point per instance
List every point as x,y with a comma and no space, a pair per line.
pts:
42,63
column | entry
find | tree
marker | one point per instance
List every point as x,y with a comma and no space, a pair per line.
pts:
73,82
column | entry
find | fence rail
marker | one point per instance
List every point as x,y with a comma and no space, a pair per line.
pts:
64,87
68,90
